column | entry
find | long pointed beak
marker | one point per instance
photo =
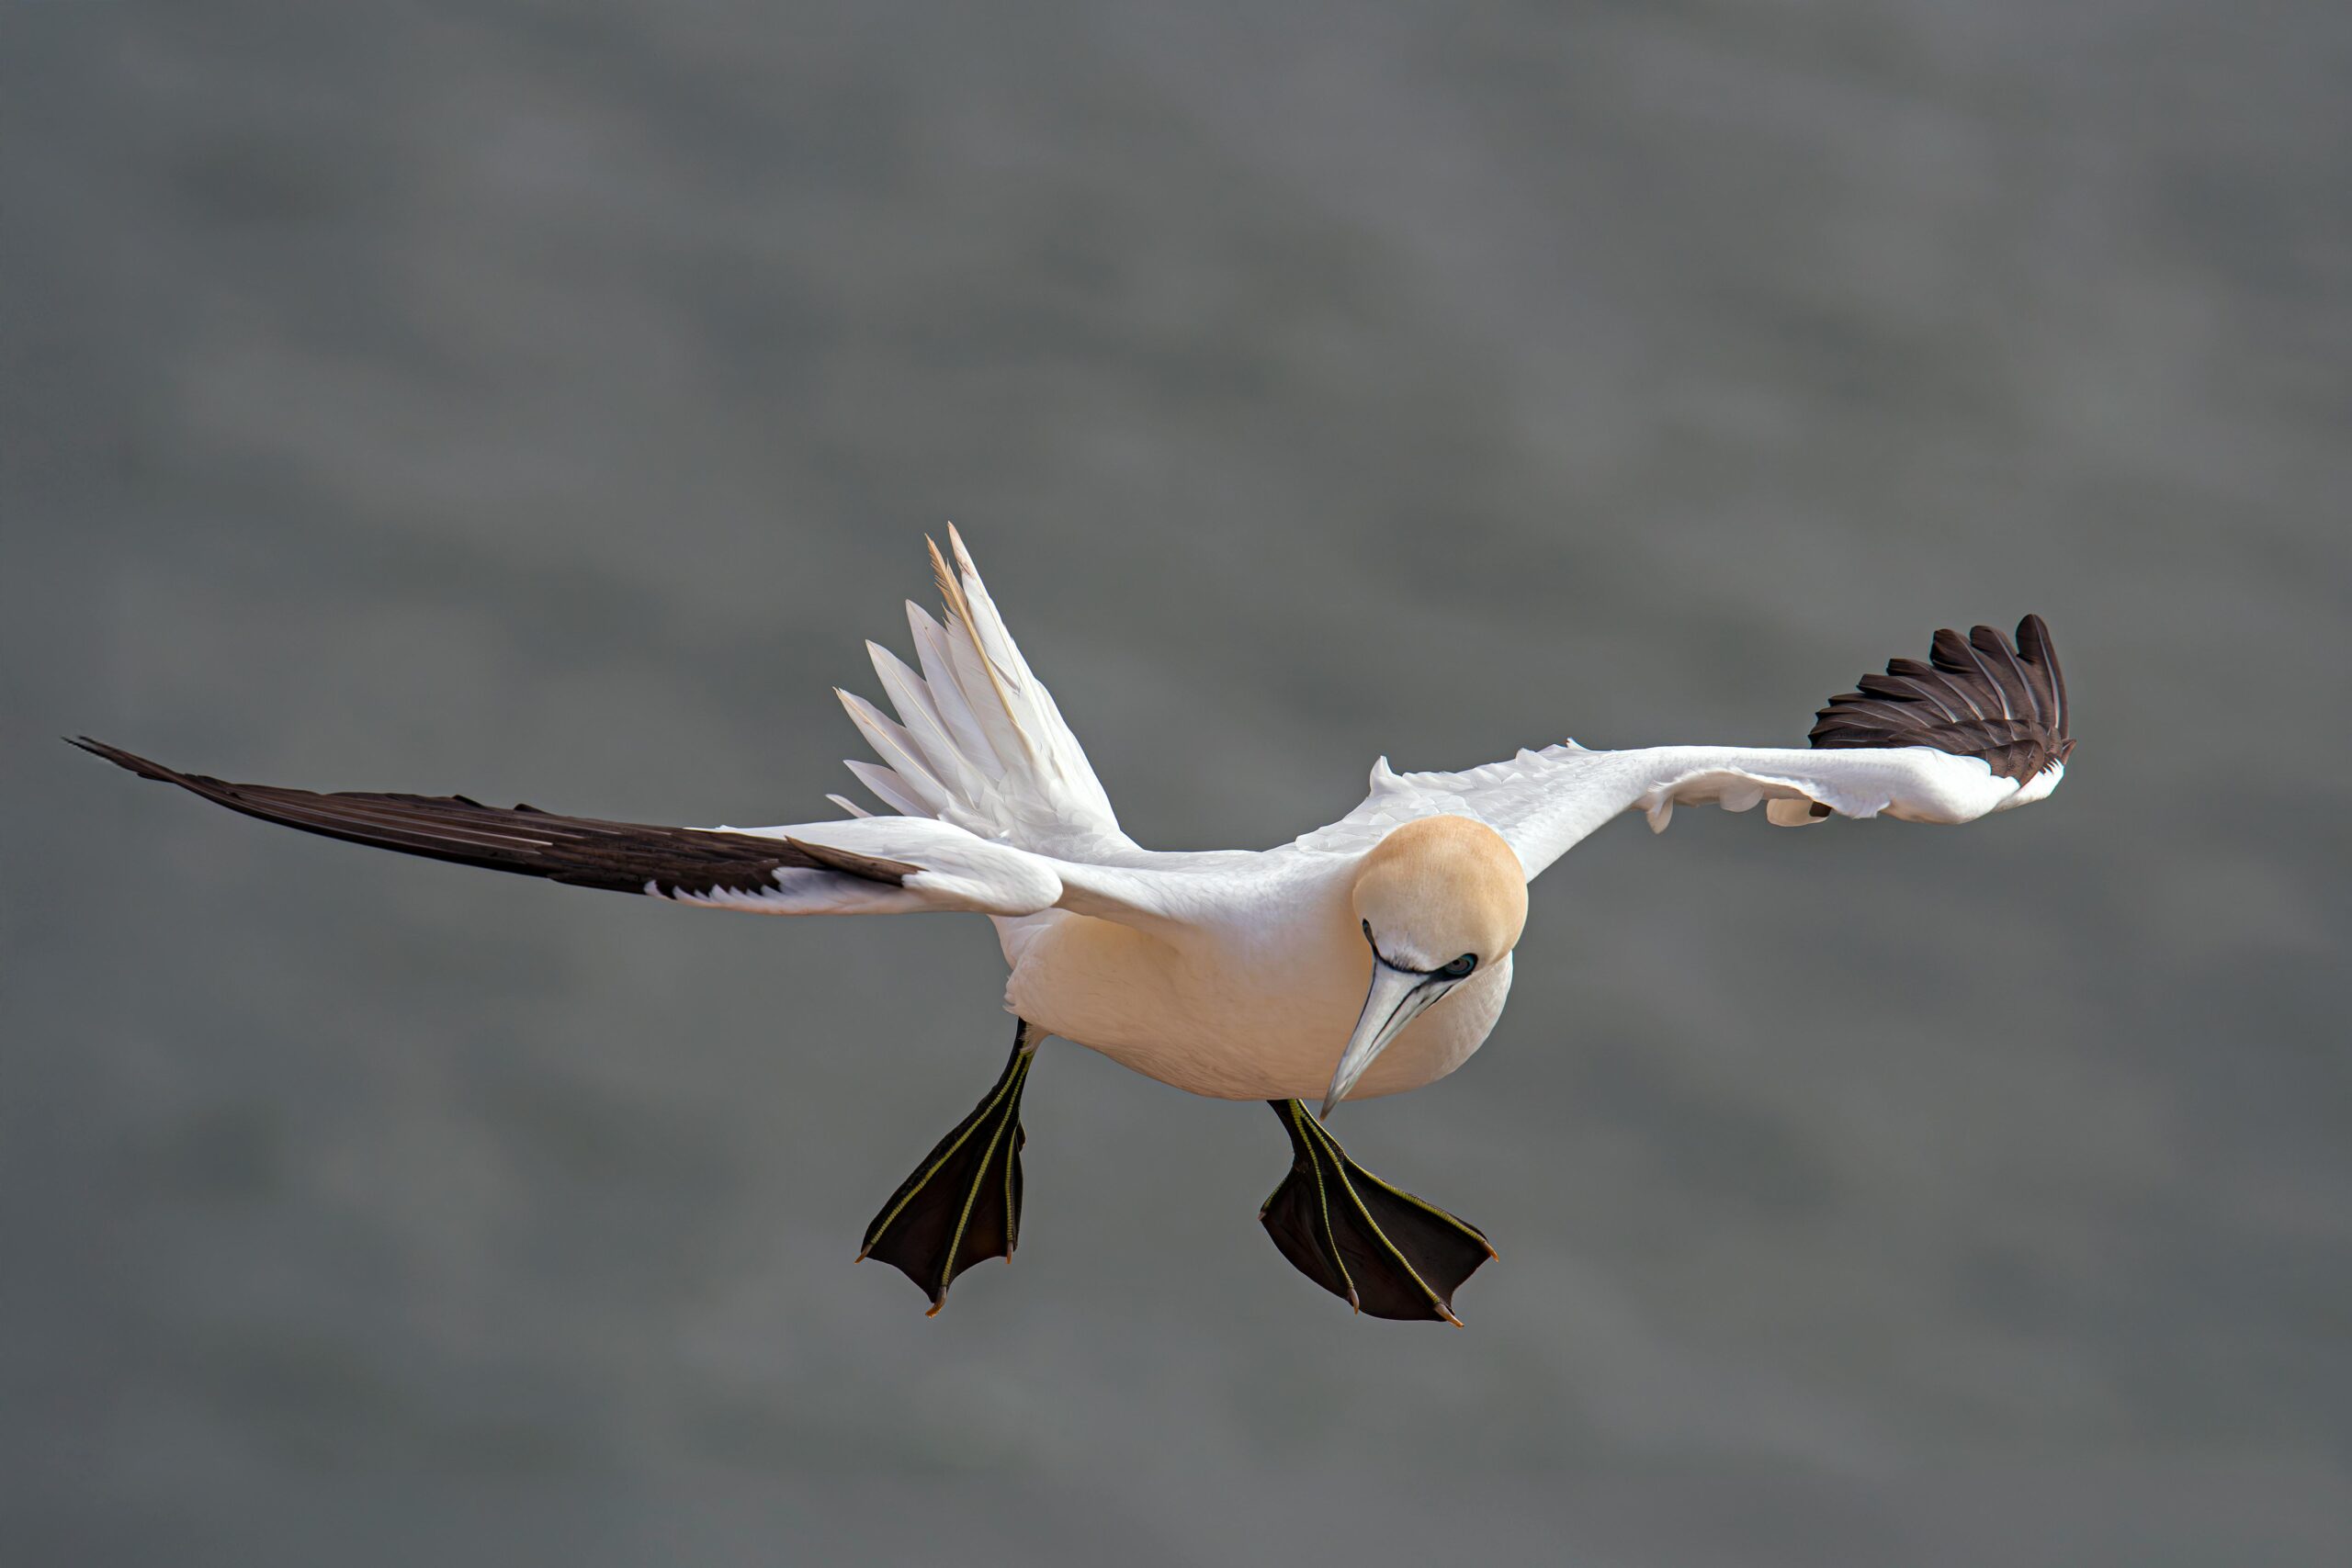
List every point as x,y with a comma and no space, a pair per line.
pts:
1396,997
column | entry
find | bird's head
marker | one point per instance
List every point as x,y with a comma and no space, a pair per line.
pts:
1440,900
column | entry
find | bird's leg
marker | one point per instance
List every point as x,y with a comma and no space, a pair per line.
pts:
1381,1249
962,1202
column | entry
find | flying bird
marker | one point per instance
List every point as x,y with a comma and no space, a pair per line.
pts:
1368,957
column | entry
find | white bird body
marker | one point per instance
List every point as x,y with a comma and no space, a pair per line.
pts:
1251,999
1369,957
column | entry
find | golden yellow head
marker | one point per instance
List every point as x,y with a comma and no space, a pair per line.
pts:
1438,887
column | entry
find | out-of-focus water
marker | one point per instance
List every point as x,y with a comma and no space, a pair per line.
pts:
541,401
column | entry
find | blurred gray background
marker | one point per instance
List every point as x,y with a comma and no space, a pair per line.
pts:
542,401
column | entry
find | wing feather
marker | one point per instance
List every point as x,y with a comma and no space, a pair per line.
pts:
2042,665
2000,661
922,723
933,652
887,788
898,751
980,742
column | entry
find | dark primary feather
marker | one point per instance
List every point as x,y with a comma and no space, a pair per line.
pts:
582,852
2042,660
2000,661
1930,683
1980,696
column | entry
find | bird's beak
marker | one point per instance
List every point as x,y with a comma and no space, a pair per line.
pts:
1396,997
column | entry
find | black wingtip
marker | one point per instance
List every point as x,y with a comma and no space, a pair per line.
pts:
1978,695
122,759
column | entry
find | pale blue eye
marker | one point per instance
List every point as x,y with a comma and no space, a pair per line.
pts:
1460,966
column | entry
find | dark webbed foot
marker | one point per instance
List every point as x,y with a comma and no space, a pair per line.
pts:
962,1202
1381,1250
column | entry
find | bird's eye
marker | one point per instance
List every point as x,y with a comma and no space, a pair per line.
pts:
1460,966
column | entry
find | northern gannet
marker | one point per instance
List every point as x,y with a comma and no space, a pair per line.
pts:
1368,957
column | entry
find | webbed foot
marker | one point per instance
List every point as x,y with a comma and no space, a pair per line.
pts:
1381,1249
962,1202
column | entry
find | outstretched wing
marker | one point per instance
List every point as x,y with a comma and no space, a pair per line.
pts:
877,865
858,869
979,741
1981,727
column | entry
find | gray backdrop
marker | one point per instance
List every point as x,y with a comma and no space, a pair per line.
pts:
541,401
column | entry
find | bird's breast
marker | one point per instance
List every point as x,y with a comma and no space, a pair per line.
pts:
1262,1017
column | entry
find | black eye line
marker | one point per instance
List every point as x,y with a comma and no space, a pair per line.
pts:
1439,973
